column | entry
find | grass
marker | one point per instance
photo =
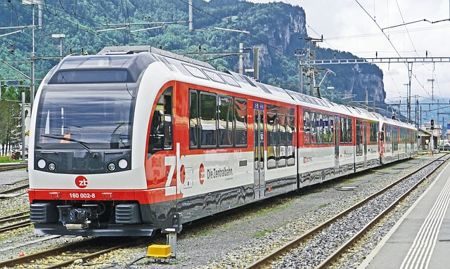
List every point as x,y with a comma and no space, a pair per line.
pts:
262,233
7,159
323,205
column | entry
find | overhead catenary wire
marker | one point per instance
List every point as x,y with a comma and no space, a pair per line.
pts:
406,28
407,31
391,43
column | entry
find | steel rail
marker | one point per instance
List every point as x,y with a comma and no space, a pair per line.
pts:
336,254
25,186
70,252
87,256
7,167
47,253
17,225
13,217
266,260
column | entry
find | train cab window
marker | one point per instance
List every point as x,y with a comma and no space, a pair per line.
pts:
193,119
240,122
208,120
161,126
225,118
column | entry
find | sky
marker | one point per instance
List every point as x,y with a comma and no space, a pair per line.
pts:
345,26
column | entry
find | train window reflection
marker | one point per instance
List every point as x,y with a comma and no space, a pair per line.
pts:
193,119
161,126
101,119
208,116
240,114
225,121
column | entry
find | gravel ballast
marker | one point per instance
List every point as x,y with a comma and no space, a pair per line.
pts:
236,239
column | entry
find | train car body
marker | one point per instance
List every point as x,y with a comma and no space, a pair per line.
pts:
135,139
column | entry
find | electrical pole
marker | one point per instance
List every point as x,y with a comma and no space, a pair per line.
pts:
432,88
367,98
415,113
33,59
301,79
420,116
23,125
410,65
60,37
256,63
241,58
191,19
33,4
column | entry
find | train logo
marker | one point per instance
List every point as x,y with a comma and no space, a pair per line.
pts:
81,182
201,174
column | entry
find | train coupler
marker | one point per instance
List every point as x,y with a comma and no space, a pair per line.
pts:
77,218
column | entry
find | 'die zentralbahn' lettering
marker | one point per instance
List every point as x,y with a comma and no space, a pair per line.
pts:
219,172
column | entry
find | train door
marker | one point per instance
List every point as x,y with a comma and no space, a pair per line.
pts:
337,127
260,185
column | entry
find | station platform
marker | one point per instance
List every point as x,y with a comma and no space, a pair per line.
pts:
421,238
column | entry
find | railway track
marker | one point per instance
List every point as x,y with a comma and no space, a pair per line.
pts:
18,220
7,167
325,243
65,255
10,193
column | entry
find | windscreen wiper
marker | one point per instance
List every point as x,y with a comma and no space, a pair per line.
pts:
68,139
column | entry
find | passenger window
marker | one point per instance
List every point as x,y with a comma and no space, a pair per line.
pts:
161,126
208,117
290,130
359,137
240,116
313,128
282,141
272,140
306,128
350,131
320,129
225,121
193,119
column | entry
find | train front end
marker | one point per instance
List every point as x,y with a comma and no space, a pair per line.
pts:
84,175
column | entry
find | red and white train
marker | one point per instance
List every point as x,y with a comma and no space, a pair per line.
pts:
136,139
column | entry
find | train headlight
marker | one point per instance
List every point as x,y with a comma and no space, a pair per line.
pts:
51,167
41,163
123,164
111,167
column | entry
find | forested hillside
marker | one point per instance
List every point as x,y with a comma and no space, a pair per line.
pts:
277,29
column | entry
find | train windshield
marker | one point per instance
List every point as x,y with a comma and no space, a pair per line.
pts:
84,119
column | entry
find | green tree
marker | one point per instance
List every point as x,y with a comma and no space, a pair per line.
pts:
9,119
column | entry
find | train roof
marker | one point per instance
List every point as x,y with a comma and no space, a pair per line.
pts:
204,73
